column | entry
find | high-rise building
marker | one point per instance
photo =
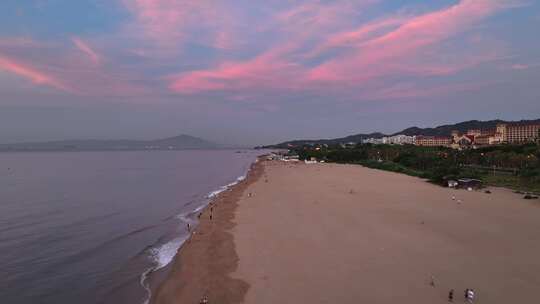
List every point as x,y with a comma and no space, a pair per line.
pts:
522,133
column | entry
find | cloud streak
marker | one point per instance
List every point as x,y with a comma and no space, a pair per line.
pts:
86,49
31,74
406,41
172,23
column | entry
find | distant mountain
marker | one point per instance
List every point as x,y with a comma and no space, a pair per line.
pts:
181,142
185,142
444,130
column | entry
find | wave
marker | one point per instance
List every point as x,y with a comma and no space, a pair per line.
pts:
164,254
161,256
226,187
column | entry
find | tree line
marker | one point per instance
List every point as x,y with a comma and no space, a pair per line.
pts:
436,163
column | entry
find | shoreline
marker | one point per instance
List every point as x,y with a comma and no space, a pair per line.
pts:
203,264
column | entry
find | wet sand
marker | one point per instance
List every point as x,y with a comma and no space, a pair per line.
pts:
330,233
203,264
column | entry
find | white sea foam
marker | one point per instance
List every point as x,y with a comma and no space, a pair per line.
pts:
216,192
199,209
164,254
226,187
144,283
188,217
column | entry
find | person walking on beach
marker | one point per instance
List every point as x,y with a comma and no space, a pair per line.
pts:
470,295
451,296
204,300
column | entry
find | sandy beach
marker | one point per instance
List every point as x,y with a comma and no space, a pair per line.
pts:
328,233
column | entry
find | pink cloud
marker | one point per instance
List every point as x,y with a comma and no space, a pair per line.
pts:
405,42
391,46
359,35
522,66
171,22
264,71
63,69
434,27
85,48
30,73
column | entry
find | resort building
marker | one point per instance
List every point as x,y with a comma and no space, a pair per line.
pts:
433,141
463,141
483,140
477,137
518,133
473,138
475,132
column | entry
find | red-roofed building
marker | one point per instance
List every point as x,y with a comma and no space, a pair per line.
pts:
477,137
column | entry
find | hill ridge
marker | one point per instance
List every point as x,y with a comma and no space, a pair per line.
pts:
442,130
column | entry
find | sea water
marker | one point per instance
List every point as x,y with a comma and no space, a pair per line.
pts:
89,227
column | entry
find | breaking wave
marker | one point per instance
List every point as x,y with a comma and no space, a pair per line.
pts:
162,255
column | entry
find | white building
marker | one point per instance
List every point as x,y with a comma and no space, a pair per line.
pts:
399,140
375,141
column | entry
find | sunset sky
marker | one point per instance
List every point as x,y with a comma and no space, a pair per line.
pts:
258,72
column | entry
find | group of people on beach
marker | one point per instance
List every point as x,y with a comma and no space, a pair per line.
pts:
469,295
204,300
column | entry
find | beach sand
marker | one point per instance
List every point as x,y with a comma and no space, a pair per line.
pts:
329,233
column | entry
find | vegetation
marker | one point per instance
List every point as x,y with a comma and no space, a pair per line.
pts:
514,166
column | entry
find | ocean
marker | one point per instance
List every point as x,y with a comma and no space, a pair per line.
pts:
90,227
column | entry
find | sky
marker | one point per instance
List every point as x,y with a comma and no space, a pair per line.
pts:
253,72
